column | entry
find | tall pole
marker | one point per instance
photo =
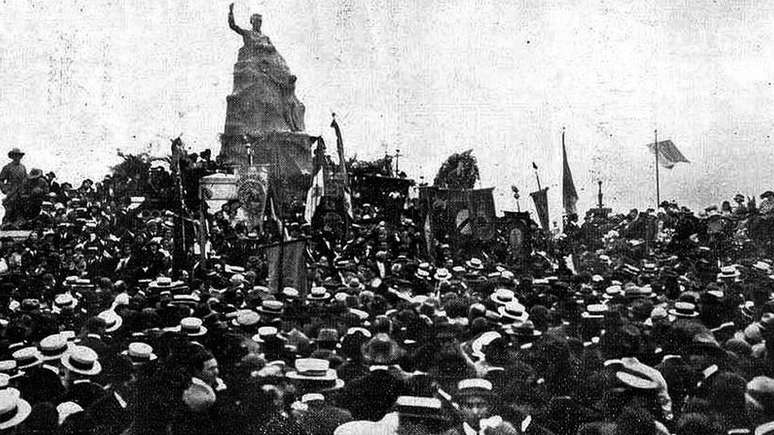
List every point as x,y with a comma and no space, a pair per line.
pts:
658,188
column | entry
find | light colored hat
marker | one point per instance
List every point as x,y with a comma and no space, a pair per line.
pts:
442,274
265,332
728,272
140,353
112,320
27,357
53,347
190,326
594,311
246,318
318,293
474,386
317,371
684,310
290,292
82,360
513,311
502,296
475,263
13,409
64,300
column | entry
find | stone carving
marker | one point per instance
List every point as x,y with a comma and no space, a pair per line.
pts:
264,97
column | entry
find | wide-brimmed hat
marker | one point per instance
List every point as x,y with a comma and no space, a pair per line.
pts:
190,326
475,263
13,409
112,320
613,291
762,266
17,152
82,360
684,310
502,296
632,291
139,353
53,347
271,308
164,283
290,293
318,294
315,374
381,349
246,318
523,330
513,311
27,357
422,274
35,173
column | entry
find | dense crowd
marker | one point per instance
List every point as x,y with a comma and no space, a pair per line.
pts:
650,322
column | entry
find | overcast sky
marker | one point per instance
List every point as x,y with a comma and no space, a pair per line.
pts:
79,79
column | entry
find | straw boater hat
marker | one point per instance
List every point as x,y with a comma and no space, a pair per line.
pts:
271,308
442,274
594,311
315,373
246,318
762,266
264,333
13,409
112,320
190,326
64,301
27,357
475,263
474,387
290,293
513,311
53,347
82,360
728,272
684,310
613,291
318,294
139,353
502,296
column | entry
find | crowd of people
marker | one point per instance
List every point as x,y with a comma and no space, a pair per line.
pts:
653,322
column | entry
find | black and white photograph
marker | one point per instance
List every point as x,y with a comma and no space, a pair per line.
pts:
396,217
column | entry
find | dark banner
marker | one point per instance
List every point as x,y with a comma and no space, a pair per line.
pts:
460,215
541,206
287,266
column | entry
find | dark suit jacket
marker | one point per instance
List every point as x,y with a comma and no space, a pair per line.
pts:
370,397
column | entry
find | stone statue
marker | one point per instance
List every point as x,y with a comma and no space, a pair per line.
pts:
264,97
263,110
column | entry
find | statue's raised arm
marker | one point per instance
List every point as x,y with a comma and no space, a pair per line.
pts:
232,23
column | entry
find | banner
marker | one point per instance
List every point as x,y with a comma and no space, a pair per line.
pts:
460,214
287,266
317,190
569,194
251,191
668,154
541,206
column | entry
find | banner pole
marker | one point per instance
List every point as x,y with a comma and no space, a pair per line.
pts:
658,192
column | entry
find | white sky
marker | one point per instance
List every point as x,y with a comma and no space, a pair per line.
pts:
79,79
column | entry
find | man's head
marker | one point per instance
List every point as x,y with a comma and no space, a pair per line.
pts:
15,154
204,366
475,399
256,20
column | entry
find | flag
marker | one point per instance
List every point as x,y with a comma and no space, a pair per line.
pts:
569,195
287,266
251,191
317,190
281,229
460,214
540,198
343,166
668,154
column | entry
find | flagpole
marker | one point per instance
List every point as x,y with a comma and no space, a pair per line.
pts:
658,192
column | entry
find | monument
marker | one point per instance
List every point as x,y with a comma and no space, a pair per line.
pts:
263,109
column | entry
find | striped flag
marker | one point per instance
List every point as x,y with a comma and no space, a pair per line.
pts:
317,190
668,154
